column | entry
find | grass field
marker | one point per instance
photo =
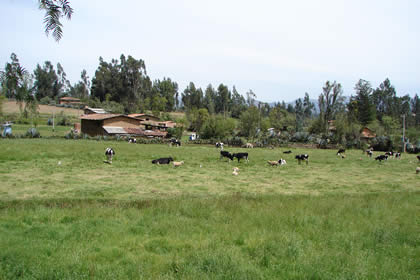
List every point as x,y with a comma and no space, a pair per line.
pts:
64,214
11,107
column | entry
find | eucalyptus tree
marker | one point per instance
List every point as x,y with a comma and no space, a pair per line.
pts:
192,97
238,103
330,102
12,78
299,111
209,99
46,81
223,97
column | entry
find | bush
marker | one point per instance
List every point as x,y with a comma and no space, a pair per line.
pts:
45,100
32,133
382,143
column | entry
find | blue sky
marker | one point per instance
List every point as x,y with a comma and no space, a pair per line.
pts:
279,49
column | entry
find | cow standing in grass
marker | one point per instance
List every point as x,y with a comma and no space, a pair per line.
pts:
301,157
226,154
341,153
240,156
109,152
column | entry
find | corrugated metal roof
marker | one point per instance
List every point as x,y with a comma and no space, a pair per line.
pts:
97,110
99,116
114,130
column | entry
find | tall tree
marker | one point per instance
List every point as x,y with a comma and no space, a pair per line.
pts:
54,11
209,99
192,97
46,81
12,78
63,83
384,98
223,98
249,122
330,102
363,98
415,109
299,111
238,103
308,106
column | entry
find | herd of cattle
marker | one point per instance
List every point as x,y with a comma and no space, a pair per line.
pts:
109,152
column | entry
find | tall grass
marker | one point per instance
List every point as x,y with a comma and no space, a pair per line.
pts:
232,237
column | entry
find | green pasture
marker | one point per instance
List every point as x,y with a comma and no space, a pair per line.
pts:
58,168
44,130
65,214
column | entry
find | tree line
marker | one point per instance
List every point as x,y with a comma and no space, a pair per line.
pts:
123,86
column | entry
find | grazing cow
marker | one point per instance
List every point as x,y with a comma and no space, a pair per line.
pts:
177,163
381,158
249,145
341,153
397,155
162,160
287,152
389,154
226,154
301,157
109,152
132,140
369,153
175,142
240,156
418,157
219,145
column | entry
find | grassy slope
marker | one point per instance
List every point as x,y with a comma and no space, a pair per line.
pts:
10,107
349,219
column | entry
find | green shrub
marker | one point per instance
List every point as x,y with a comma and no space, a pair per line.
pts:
32,133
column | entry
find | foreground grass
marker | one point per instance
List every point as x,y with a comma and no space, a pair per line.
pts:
372,236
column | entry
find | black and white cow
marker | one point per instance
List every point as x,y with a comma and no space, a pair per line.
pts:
109,152
219,145
369,153
397,155
175,142
301,157
381,158
132,140
287,152
389,154
226,154
162,160
341,153
240,156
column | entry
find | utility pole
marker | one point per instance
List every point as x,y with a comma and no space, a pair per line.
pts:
403,133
